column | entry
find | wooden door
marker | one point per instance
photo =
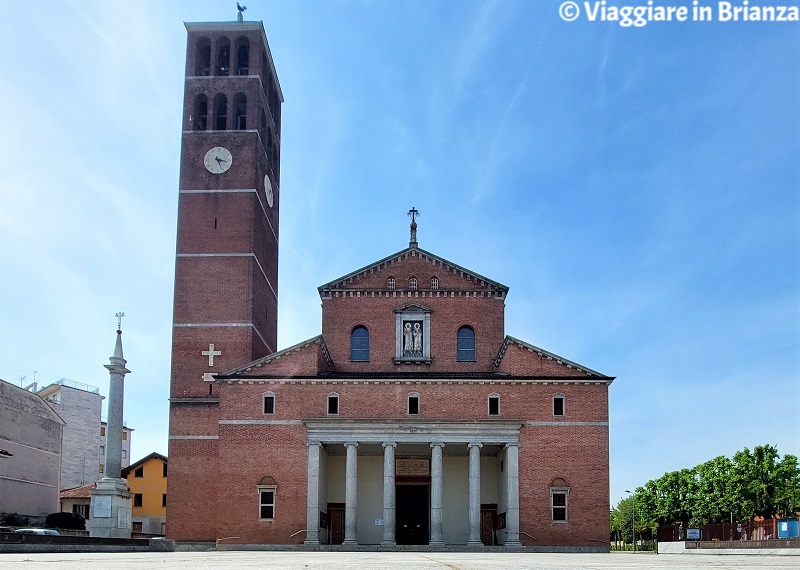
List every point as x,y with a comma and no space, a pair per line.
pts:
336,522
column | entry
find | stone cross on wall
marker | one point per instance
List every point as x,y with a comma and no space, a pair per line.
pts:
211,353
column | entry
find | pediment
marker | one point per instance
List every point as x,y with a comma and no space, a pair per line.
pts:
413,269
413,308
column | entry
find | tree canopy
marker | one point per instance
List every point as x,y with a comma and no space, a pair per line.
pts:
756,483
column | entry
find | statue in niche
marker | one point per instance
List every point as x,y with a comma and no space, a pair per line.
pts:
417,334
412,339
408,340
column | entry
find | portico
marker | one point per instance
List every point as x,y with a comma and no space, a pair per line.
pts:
448,475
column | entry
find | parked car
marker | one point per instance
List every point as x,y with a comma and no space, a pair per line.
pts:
38,531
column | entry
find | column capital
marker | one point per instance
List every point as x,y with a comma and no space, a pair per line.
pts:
437,444
350,443
314,443
512,444
389,444
474,444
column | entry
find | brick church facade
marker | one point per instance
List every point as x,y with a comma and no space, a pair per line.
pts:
412,419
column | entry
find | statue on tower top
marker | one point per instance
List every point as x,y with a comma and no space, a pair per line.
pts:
240,16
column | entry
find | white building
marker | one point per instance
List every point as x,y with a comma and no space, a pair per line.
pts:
84,438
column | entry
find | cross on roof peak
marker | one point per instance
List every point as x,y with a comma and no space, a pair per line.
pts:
413,212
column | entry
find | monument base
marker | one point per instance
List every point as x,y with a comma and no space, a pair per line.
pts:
110,509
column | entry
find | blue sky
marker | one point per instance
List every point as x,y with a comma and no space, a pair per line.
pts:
636,188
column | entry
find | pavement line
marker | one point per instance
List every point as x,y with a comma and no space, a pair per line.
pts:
440,562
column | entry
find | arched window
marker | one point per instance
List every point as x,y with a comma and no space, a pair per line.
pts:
412,283
359,344
390,283
465,340
558,405
220,112
240,111
202,58
434,282
263,129
200,114
242,56
224,57
559,500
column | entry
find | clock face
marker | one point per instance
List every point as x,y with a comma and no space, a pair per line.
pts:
268,190
218,160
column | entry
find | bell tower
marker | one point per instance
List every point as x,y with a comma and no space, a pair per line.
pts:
226,266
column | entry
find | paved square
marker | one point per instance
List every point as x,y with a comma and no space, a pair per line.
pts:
385,560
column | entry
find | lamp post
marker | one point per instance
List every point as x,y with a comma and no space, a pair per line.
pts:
634,519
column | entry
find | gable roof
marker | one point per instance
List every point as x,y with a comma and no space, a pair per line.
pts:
132,466
278,355
403,254
82,492
510,340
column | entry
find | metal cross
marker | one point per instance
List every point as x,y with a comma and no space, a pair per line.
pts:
211,353
413,212
119,320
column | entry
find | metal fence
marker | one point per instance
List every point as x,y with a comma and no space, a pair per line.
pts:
748,530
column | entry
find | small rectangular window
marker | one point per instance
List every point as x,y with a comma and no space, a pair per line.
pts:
139,472
102,430
333,405
494,405
137,499
136,527
269,404
559,500
558,406
100,468
413,405
267,503
164,500
124,436
165,470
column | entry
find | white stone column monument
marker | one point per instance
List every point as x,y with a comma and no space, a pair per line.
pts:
436,494
388,495
475,494
351,494
111,501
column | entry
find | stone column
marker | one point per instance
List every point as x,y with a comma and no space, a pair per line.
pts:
388,494
512,495
351,494
436,494
312,500
475,494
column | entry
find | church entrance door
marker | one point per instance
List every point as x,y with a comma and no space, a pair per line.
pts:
413,514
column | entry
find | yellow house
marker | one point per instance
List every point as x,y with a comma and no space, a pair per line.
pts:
147,481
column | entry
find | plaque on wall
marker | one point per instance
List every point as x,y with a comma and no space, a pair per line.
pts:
123,518
101,506
412,467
